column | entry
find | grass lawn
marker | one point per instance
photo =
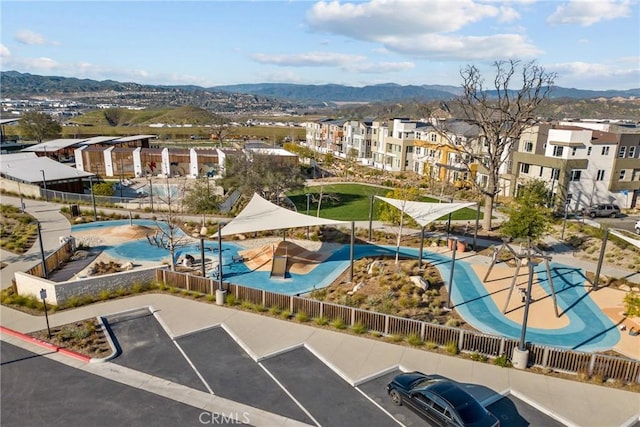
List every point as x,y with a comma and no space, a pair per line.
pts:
353,202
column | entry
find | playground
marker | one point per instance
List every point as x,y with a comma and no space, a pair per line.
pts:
488,297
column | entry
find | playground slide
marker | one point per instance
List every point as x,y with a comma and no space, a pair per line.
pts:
278,267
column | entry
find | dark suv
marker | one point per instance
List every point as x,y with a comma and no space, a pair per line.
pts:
603,210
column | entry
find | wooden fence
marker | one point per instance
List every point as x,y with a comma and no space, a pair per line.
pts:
54,260
558,359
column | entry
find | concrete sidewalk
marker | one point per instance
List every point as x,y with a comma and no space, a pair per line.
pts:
357,358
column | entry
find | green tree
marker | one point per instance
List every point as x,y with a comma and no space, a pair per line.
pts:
390,214
632,304
39,126
528,214
103,189
200,198
264,174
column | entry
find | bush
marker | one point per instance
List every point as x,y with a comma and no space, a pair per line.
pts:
274,310
230,299
285,314
478,357
302,317
415,340
452,347
359,328
321,321
338,323
502,361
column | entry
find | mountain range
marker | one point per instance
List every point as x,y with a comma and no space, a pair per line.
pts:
22,85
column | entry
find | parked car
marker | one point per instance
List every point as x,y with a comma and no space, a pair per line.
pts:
603,210
638,226
438,400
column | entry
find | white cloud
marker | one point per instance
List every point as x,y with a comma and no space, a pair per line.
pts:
379,18
465,47
32,38
586,13
622,74
311,59
4,51
424,29
30,65
380,67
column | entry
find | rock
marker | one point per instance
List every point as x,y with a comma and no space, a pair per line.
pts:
635,289
420,282
127,266
625,288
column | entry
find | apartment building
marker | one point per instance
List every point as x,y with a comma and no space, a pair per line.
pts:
583,165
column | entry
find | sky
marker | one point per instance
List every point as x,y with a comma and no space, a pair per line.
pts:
588,44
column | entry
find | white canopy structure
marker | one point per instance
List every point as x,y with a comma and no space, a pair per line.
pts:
423,212
262,215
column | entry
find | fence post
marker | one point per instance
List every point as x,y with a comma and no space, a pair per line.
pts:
164,276
353,316
592,363
501,350
264,299
386,324
188,282
291,304
545,357
461,340
423,330
211,292
321,309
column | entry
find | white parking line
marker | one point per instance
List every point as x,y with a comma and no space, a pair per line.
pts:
379,407
289,394
193,367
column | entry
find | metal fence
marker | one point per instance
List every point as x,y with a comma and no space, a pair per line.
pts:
467,341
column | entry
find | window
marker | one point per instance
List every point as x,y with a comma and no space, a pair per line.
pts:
434,137
632,152
589,151
524,167
555,173
605,151
574,150
622,152
541,170
600,175
528,146
575,175
623,172
557,151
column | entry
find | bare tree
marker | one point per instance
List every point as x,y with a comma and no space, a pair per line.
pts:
220,128
500,114
169,235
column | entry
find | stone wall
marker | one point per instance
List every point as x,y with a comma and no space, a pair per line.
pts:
60,293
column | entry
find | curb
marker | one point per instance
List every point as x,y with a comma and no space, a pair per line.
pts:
44,344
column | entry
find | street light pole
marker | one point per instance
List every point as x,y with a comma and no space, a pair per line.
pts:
522,345
453,266
151,193
21,200
44,183
93,199
44,259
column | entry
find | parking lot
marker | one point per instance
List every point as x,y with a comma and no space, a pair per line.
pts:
295,383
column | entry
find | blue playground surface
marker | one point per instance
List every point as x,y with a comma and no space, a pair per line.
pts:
588,330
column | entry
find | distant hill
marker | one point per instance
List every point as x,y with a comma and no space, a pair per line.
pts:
15,83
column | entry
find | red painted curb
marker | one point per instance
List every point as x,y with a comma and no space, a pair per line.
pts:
44,344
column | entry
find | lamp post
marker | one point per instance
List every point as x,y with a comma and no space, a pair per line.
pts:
520,358
93,199
44,259
453,266
43,296
220,293
121,176
151,193
44,184
21,200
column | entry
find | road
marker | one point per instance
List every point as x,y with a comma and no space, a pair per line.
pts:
626,222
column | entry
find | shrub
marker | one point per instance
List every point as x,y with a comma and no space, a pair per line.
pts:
104,295
137,287
321,321
478,357
452,347
338,323
274,310
394,338
247,305
431,345
415,340
230,299
212,298
502,361
359,328
285,314
302,317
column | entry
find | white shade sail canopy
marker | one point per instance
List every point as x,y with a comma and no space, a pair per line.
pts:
262,215
423,212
